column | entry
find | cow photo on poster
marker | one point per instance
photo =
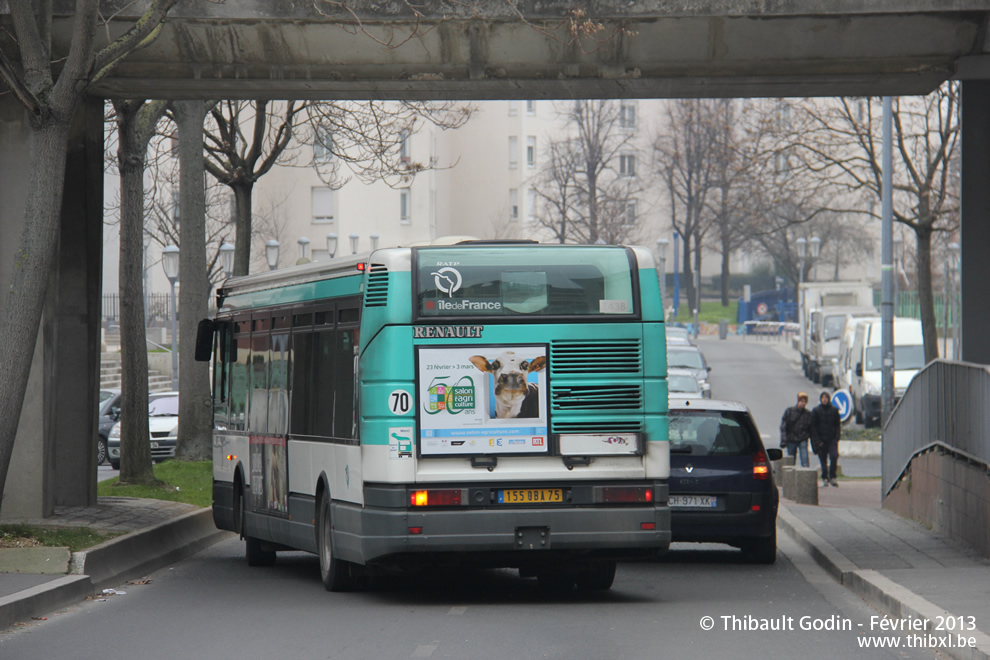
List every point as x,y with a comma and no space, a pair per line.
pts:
483,400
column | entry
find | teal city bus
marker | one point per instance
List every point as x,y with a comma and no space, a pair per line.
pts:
485,403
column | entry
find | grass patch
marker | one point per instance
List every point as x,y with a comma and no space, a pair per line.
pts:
711,312
184,481
861,434
76,538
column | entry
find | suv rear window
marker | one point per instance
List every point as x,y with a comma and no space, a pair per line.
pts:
712,433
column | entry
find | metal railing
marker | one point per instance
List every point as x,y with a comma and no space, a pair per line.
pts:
947,405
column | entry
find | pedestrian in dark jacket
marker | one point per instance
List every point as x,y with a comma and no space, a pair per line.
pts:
826,426
795,428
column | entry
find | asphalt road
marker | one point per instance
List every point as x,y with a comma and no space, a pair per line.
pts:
214,605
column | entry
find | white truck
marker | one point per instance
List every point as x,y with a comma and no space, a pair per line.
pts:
823,310
866,359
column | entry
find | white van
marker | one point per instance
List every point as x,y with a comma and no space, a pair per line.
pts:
846,370
866,358
825,332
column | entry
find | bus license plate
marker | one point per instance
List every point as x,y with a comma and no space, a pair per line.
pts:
696,501
530,496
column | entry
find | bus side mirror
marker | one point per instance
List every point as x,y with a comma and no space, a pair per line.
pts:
859,369
204,341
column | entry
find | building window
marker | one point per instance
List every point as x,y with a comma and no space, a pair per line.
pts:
629,216
627,115
513,203
531,151
531,204
627,165
404,146
404,206
513,108
322,144
530,107
322,205
513,152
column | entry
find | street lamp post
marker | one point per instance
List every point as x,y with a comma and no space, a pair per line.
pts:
662,244
332,244
227,259
354,243
374,242
815,248
954,250
802,252
303,249
271,254
170,262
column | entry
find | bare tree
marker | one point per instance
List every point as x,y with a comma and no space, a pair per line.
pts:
841,140
589,184
50,89
136,122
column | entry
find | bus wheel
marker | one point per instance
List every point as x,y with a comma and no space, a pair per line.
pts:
254,549
335,573
597,578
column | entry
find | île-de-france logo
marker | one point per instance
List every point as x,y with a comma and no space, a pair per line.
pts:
447,279
452,398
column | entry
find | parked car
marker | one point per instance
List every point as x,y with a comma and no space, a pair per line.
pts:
690,357
163,428
721,482
678,335
681,384
108,415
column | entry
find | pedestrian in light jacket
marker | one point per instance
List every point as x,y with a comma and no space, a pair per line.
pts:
826,426
795,428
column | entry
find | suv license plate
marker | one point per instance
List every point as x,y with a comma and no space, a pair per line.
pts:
530,496
695,501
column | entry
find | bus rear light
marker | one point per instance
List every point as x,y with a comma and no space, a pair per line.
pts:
761,467
647,526
437,497
362,266
756,507
231,457
625,494
415,530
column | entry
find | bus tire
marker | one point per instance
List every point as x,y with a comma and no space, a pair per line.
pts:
256,552
335,573
597,578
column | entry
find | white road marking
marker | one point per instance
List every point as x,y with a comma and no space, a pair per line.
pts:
425,650
457,610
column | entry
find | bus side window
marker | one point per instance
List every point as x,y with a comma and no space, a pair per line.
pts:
321,413
221,377
239,375
302,364
260,358
344,403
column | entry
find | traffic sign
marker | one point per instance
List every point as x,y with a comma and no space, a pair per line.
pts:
761,308
842,400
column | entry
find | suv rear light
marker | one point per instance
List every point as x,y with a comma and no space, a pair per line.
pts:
437,497
761,466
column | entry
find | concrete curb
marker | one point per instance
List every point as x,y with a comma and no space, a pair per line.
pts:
879,591
123,558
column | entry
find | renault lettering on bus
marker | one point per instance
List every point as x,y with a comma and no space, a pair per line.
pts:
491,404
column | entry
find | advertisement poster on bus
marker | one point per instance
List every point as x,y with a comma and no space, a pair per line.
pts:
483,400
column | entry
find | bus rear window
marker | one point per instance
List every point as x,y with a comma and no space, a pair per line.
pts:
509,281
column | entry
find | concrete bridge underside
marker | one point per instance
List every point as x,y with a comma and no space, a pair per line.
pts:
395,49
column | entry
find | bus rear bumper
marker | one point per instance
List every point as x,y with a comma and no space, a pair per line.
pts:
500,537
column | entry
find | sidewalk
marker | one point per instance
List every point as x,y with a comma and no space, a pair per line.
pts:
899,567
896,565
156,533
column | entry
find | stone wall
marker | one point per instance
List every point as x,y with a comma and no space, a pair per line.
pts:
947,494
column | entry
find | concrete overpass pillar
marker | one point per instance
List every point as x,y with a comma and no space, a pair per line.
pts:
975,224
54,458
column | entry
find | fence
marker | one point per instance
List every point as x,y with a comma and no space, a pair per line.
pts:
947,405
156,308
908,306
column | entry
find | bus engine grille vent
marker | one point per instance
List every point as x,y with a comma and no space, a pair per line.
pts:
377,294
596,397
603,426
613,357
